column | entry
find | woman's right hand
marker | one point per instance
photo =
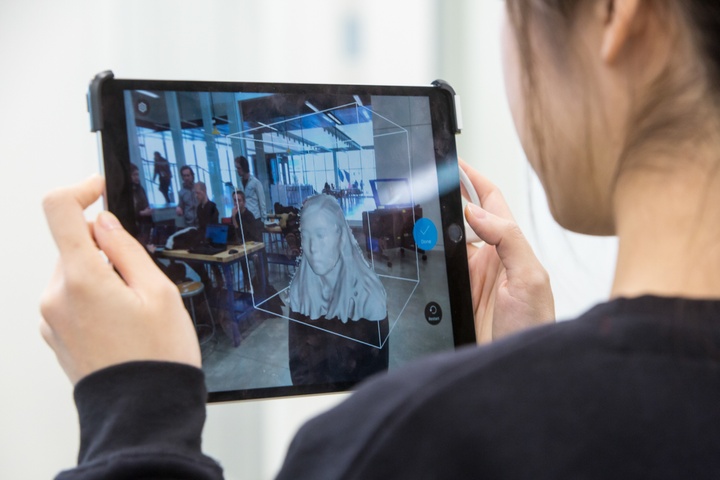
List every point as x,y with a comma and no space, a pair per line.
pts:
510,288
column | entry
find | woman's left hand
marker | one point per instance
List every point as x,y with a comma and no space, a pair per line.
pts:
95,315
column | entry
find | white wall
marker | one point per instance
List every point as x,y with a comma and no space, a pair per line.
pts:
49,50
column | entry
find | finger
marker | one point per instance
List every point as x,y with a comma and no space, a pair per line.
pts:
470,236
512,247
127,255
491,198
64,212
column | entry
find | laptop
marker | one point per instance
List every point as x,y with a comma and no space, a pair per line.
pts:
215,241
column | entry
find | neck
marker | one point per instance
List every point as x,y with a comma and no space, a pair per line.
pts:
329,280
668,226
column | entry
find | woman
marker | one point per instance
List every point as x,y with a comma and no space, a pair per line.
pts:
616,104
337,303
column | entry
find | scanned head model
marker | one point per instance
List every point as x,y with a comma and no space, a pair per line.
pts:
333,279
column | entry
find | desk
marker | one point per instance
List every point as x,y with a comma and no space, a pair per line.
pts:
225,260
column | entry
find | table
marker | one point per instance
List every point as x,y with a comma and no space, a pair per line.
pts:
226,260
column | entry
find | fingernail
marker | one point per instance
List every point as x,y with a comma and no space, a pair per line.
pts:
108,221
476,211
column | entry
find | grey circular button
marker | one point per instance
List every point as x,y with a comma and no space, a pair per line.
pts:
433,313
455,233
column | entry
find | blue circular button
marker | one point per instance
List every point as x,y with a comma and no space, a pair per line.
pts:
425,234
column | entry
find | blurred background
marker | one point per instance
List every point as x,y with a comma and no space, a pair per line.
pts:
50,50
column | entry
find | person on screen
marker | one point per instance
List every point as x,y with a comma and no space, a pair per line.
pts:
337,303
187,202
246,227
617,106
143,212
251,186
163,174
207,211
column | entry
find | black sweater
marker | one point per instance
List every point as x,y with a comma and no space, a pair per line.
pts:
629,390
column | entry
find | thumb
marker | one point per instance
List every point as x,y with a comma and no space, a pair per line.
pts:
125,253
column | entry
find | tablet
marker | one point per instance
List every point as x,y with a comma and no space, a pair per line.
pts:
315,232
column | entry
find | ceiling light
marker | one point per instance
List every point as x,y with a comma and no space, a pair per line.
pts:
148,94
334,118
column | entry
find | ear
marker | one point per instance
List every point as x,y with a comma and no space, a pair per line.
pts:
621,18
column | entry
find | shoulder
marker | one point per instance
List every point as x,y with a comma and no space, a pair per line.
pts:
502,364
532,396
427,410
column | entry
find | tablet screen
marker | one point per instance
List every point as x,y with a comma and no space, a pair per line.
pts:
345,254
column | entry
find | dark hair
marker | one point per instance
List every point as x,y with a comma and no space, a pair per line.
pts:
659,115
134,168
241,193
705,19
243,163
702,16
185,167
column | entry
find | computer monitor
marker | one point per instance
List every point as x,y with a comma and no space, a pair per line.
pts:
391,193
217,234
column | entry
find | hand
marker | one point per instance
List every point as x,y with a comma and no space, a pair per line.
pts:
510,288
179,211
95,317
146,212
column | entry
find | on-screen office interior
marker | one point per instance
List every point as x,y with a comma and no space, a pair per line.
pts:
374,154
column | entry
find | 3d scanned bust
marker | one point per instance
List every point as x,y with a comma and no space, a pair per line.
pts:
333,279
337,300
